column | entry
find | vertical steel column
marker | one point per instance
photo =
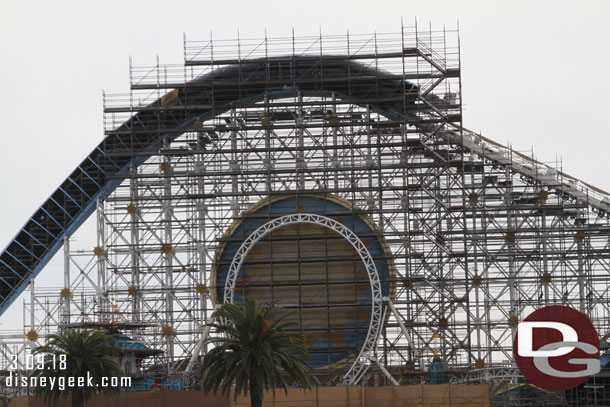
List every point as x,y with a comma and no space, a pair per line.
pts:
513,309
234,166
134,244
335,143
545,254
166,206
475,255
65,318
301,164
368,160
102,293
581,269
202,212
32,305
268,159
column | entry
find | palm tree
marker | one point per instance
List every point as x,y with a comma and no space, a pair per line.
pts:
87,354
255,352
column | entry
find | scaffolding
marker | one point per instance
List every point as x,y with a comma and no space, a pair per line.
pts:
474,234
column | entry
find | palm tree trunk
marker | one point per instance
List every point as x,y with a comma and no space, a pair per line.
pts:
256,394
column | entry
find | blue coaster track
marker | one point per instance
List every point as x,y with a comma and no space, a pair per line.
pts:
235,85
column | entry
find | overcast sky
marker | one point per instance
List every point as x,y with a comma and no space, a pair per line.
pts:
534,73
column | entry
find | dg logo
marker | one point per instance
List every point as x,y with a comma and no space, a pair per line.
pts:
556,348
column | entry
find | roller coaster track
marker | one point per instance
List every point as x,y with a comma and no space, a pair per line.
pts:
210,95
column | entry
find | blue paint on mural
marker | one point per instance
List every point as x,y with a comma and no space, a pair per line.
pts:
322,352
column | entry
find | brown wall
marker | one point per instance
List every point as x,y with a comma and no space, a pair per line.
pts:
429,395
136,399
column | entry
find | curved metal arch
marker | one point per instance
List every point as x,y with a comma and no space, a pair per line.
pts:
102,171
369,347
133,142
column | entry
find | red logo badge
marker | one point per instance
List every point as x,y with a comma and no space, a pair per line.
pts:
556,348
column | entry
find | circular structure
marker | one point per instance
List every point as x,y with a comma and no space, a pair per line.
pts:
564,370
333,271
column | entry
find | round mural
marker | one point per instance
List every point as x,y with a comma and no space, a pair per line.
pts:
310,270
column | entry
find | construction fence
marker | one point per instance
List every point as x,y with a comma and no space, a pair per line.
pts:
429,395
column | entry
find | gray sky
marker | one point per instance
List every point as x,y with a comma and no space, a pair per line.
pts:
532,73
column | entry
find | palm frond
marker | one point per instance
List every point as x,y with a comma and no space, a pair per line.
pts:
255,350
86,352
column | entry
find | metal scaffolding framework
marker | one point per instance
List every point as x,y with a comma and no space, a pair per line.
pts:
470,234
